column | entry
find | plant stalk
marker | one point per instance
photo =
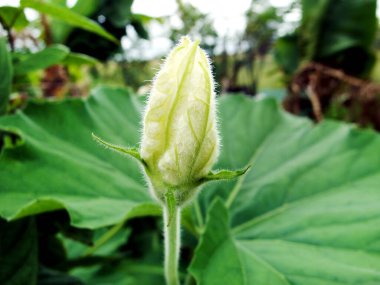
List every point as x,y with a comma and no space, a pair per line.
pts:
172,245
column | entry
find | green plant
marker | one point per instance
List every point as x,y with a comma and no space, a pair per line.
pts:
306,213
72,213
181,105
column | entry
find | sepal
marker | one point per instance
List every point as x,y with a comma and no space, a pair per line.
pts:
225,174
133,152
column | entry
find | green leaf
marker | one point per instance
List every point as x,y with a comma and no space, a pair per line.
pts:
133,152
6,75
18,252
57,165
339,41
307,213
79,59
287,53
225,174
217,242
66,15
60,29
141,264
13,17
49,56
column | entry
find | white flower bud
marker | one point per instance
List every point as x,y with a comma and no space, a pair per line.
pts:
180,140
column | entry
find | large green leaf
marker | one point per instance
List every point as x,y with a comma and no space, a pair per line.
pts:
66,15
58,165
307,212
47,57
6,75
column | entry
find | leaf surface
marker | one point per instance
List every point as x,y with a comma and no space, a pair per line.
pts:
58,165
305,213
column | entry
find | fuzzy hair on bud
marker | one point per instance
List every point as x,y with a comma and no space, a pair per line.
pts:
180,141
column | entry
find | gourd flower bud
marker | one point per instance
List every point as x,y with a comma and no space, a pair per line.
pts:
180,140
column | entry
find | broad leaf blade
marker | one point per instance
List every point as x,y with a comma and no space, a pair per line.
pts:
217,242
313,192
66,15
275,262
60,166
308,211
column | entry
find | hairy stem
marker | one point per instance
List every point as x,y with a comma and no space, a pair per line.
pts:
172,244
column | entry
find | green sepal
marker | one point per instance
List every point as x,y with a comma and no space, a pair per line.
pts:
170,204
124,150
225,174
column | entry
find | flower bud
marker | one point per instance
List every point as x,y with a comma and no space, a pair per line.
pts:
180,139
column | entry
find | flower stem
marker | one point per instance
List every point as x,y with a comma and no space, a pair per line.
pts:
172,244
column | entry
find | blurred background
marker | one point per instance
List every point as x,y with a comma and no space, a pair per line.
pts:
319,58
